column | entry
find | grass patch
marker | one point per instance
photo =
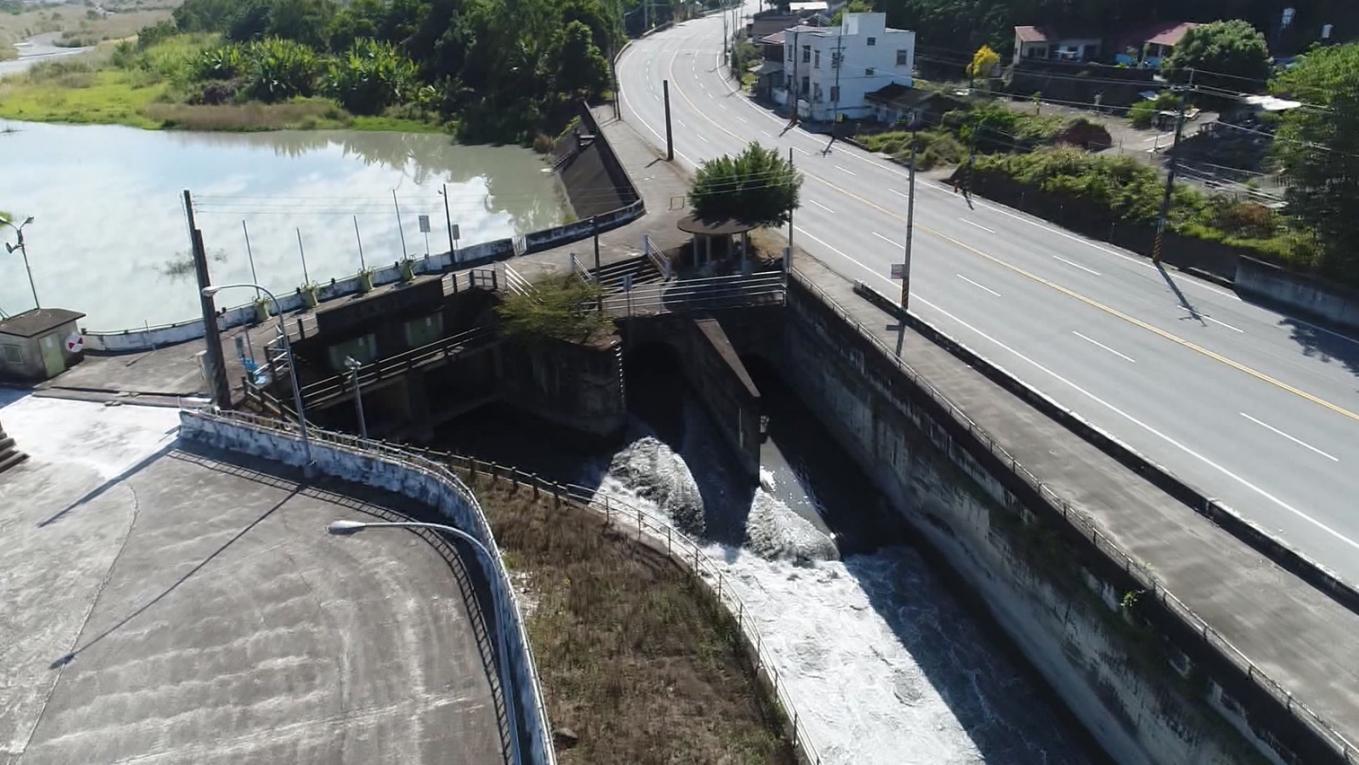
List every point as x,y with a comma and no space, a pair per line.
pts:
634,657
107,96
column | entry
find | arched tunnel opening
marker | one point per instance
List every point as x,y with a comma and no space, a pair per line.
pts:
656,389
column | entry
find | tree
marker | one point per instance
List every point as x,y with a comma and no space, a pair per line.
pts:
371,76
984,62
582,70
1318,149
757,186
1233,48
562,308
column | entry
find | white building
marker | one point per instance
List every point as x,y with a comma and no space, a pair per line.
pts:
831,69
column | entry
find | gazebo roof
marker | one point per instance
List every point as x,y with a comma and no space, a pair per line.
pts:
692,224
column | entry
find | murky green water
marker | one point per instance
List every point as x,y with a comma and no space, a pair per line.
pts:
110,239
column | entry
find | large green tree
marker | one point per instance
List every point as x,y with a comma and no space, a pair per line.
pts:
1232,48
756,186
1318,148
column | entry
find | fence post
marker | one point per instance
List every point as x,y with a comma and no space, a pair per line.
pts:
667,541
607,520
639,524
556,495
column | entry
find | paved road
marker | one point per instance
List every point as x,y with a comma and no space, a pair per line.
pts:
1254,407
34,50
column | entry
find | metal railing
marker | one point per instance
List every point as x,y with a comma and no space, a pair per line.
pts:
702,294
441,472
1090,530
325,391
516,283
581,271
665,537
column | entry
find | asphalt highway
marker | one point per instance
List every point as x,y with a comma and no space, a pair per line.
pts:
1254,407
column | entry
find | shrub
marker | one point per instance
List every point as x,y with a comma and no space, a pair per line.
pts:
221,63
561,308
1143,113
370,77
280,69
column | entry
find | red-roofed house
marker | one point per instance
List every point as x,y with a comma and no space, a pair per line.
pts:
1047,44
1150,45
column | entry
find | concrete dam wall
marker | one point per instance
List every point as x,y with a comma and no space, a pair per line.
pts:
1137,682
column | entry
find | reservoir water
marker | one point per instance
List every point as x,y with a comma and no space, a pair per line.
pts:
110,239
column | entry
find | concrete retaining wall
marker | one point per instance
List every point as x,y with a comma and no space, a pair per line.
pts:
1218,512
1305,294
429,484
1143,685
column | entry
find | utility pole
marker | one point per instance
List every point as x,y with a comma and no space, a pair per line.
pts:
599,294
793,91
23,250
838,63
669,134
910,228
788,260
362,266
353,366
726,38
1158,247
399,227
448,220
215,359
306,277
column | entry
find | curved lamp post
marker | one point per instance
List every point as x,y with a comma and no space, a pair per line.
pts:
211,290
19,229
345,528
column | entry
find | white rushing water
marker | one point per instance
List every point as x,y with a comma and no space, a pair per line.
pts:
882,662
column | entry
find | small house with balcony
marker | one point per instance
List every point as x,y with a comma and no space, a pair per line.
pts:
1045,43
39,344
829,71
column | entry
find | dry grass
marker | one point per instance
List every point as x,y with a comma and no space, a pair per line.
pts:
635,658
248,116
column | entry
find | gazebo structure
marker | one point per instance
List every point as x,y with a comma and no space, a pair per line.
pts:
706,232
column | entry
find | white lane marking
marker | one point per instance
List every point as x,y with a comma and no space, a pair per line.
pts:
700,137
977,225
892,242
1299,442
1143,425
1319,328
803,152
901,194
1197,315
1134,259
742,119
823,207
1225,324
1105,347
720,106
680,122
979,286
845,170
767,133
1077,265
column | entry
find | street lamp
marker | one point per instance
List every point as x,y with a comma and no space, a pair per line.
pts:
345,528
354,365
211,290
19,229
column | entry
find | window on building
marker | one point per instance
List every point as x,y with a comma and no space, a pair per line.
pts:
425,330
11,354
806,54
816,92
902,57
836,57
817,60
872,41
363,349
835,94
869,72
789,53
805,86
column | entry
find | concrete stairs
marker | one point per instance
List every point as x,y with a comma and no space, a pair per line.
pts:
641,269
9,455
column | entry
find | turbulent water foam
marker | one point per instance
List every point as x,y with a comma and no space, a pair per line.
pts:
774,531
650,469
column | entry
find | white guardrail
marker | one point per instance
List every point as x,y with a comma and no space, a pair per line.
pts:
384,466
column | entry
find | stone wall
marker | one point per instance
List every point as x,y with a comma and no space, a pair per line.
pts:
577,386
1143,685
